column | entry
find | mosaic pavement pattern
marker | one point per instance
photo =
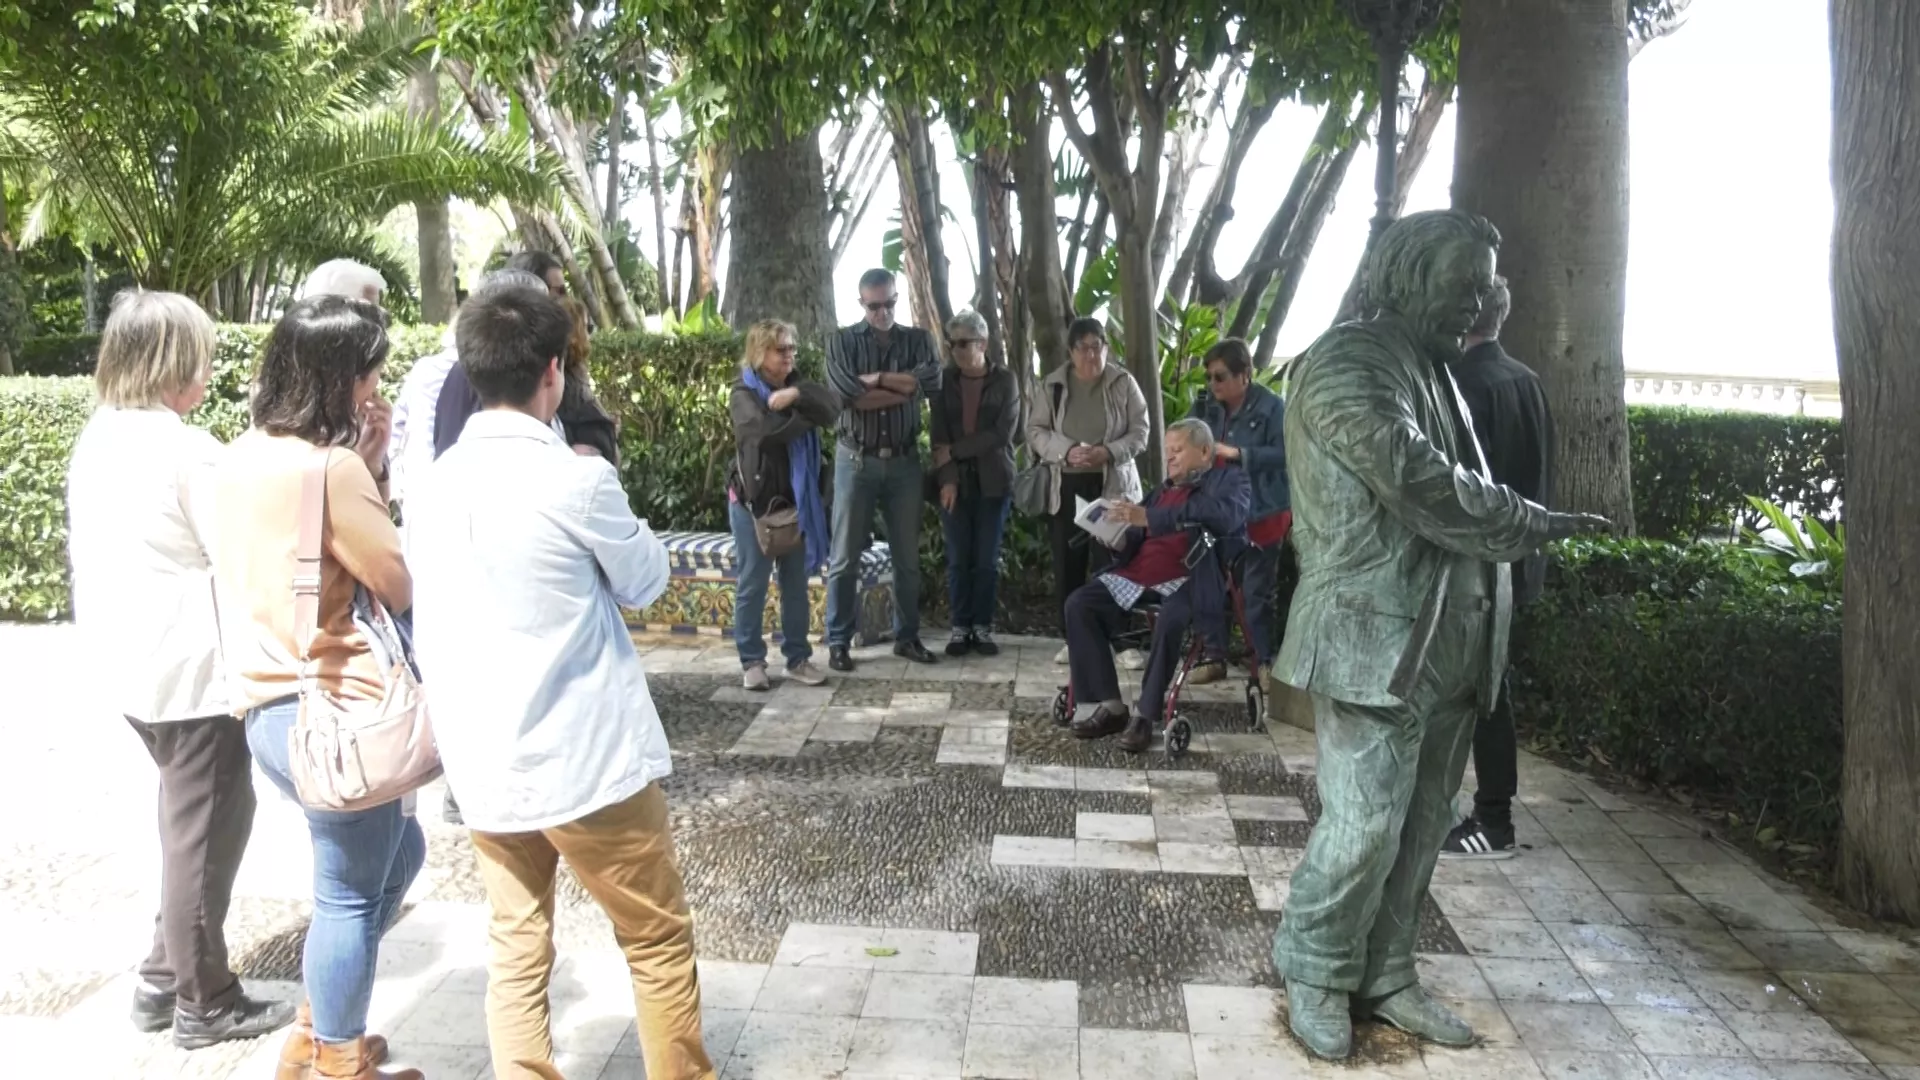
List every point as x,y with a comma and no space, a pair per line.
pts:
912,873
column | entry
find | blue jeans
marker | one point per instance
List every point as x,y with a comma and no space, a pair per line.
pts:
750,595
363,863
863,486
973,528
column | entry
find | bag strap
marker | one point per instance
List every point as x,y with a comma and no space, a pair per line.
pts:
306,565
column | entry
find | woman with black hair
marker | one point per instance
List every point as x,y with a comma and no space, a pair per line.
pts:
316,397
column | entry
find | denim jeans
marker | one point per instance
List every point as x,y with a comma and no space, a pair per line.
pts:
750,595
862,486
363,863
973,528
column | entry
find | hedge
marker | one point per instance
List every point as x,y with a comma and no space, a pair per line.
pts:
1694,468
1697,667
57,355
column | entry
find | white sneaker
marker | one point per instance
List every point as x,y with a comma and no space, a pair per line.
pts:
754,678
1131,659
1061,656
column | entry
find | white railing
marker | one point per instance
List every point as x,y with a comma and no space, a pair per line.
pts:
1807,397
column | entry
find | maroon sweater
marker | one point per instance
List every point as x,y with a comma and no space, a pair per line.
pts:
1161,558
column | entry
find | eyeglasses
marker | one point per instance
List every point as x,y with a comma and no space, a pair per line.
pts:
1091,345
784,350
882,305
961,343
1219,375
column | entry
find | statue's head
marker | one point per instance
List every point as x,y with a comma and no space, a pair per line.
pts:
1434,269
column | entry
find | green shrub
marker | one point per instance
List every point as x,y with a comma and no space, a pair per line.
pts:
1693,469
39,421
56,355
1699,667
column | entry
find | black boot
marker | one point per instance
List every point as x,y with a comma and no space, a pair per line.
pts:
1138,736
839,658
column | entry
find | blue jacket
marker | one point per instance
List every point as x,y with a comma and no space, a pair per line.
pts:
1219,505
1257,431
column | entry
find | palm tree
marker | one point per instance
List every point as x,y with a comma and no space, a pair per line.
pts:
197,170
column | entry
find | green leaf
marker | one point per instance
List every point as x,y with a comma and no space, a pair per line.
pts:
882,950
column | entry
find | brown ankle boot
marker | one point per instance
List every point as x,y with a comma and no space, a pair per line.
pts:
296,1055
351,1061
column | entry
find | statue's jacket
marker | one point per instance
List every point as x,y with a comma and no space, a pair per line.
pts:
1394,520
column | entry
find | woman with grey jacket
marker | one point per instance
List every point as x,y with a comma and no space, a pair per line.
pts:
1088,426
973,419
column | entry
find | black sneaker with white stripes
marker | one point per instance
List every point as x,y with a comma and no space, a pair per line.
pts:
1472,839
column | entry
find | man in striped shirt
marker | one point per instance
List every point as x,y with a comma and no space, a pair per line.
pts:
880,371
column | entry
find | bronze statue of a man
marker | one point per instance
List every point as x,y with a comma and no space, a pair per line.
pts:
1399,625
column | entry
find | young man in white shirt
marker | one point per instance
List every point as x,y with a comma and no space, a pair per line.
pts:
523,553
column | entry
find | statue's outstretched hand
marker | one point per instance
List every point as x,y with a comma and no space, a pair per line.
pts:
1562,526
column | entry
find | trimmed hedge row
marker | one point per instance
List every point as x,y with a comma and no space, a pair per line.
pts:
56,355
1694,468
1698,667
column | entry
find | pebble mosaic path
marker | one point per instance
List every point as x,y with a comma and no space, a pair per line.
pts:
912,873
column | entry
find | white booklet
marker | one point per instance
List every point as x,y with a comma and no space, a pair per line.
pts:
1093,517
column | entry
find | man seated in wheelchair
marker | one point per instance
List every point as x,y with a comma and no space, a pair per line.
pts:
1162,556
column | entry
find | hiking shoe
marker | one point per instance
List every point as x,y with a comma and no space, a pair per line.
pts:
983,643
1472,839
806,674
754,678
246,1018
1210,671
152,1008
1131,659
1061,656
959,641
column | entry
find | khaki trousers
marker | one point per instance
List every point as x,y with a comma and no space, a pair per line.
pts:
623,855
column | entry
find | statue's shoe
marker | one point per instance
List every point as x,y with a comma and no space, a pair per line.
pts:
1414,1012
1319,1019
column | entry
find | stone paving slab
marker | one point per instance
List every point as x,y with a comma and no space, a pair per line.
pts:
864,910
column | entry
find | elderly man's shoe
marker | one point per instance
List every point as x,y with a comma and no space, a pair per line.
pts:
1319,1019
1100,724
1414,1012
152,1008
1138,736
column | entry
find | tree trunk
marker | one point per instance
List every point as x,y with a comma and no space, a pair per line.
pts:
780,206
1542,153
554,129
1048,297
616,134
1139,316
436,234
920,197
1217,208
1434,97
1876,275
986,289
1006,258
89,289
13,298
1248,288
862,174
1298,249
658,191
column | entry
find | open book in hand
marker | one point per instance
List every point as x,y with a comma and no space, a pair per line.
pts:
1095,518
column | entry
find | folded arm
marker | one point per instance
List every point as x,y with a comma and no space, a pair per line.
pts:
632,558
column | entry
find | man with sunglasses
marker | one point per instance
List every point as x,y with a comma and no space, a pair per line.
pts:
1247,421
880,371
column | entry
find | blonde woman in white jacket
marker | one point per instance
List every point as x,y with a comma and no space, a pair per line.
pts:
1088,426
139,519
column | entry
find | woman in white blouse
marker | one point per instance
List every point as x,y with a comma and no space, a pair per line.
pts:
139,518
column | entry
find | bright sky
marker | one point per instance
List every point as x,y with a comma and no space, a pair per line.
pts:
1731,213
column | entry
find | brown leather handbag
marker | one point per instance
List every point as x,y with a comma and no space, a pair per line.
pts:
353,755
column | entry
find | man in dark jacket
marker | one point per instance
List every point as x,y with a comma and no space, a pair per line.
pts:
1515,430
1198,492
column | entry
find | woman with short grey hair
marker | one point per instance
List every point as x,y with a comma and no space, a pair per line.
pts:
139,523
972,421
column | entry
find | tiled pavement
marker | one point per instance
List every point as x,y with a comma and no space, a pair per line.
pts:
912,874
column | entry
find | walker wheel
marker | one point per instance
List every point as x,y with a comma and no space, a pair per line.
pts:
1179,736
1062,714
1256,708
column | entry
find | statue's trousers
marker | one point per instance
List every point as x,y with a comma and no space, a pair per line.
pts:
1387,778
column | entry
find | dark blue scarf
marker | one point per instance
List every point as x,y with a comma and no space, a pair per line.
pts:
803,459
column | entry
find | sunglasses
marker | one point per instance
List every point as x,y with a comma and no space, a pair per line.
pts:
882,305
784,350
961,343
1219,375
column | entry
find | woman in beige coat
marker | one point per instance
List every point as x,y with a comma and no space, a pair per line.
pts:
1088,426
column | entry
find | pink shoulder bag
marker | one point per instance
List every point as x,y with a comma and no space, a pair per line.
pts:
353,755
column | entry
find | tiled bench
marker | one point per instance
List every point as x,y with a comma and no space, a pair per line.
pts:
699,599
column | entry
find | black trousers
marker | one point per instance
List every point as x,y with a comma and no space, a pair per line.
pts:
1076,555
1095,619
1496,754
206,818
